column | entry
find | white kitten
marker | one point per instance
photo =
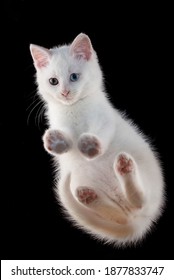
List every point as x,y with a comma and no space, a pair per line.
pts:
109,180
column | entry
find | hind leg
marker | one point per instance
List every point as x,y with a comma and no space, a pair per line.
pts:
102,205
86,195
126,170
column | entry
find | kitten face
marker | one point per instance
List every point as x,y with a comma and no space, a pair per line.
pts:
64,78
69,73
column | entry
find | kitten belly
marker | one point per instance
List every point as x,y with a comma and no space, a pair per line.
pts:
104,201
95,187
98,173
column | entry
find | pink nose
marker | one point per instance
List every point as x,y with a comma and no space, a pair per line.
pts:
65,93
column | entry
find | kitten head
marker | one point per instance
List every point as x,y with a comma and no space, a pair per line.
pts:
68,73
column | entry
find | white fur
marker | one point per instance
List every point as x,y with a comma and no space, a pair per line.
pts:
88,110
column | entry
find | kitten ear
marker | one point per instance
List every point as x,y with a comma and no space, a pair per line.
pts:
41,56
81,47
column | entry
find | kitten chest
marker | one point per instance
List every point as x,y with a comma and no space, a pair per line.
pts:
76,121
69,117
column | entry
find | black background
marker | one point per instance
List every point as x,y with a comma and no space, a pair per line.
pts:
133,45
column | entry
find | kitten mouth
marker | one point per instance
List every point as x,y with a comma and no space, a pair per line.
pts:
68,98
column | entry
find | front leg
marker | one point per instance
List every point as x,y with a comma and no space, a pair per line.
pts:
89,146
96,142
56,142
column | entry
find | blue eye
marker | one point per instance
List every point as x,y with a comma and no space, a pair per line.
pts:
74,77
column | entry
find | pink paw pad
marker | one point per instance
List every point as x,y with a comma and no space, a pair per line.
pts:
89,146
124,164
86,195
55,141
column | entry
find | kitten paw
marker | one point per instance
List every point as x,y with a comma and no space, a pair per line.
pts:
124,164
86,195
55,142
89,146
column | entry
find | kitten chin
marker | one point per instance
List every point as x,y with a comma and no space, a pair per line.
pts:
109,180
69,100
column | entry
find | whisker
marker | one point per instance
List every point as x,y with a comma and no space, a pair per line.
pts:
39,115
38,103
36,98
32,94
42,112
